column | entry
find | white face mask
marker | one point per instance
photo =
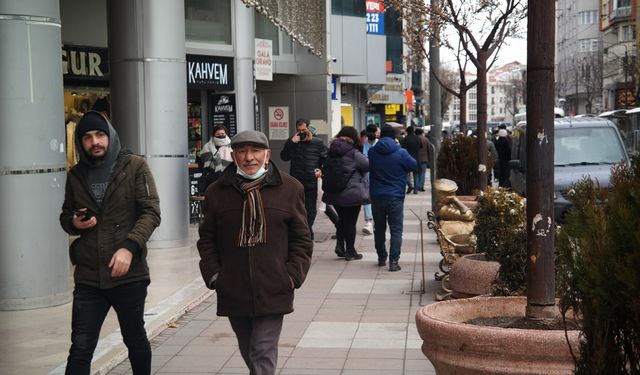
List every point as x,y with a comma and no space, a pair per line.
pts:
254,176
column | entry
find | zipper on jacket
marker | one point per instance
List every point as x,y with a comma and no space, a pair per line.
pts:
253,290
146,185
116,227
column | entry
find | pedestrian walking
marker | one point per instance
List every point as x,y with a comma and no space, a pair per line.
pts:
389,165
503,147
216,155
306,153
348,201
112,204
423,159
255,248
372,133
412,144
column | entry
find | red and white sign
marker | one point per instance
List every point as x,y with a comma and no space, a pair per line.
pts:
279,123
264,59
375,6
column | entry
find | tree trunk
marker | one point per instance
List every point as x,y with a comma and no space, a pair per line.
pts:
482,119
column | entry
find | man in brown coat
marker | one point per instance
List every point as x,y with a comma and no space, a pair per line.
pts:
112,204
255,248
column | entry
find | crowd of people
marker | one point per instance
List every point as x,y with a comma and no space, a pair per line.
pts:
256,238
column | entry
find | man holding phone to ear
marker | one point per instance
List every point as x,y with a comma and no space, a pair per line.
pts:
112,204
306,153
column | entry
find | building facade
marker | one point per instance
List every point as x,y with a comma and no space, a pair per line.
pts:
168,72
579,64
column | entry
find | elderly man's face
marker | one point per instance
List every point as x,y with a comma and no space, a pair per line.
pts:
250,158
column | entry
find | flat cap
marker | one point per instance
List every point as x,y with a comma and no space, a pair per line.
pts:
250,136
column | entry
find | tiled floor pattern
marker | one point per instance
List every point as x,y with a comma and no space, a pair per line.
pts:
350,318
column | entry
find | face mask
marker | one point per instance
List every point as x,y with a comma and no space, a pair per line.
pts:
303,135
254,176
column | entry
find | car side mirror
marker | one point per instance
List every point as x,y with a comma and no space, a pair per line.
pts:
516,165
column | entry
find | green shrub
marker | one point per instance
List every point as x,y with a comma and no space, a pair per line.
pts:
500,233
458,161
598,271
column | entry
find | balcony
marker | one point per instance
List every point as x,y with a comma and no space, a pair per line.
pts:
620,14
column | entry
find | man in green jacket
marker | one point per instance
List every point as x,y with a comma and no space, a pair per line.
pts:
112,204
255,248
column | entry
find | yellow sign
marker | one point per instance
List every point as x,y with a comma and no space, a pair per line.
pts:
346,111
392,109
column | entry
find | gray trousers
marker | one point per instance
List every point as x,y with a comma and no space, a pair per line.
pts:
258,341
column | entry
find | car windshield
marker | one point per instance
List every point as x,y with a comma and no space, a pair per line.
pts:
587,146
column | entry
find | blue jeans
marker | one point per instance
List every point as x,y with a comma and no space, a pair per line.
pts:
420,176
368,215
387,210
90,307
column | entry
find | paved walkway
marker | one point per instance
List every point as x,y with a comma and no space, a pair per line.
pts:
350,317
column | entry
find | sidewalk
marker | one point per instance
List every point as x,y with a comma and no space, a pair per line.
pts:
351,318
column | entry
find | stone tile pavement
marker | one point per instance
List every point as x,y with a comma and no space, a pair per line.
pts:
350,318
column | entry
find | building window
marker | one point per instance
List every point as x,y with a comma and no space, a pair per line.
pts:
354,8
588,17
623,3
267,30
208,21
627,33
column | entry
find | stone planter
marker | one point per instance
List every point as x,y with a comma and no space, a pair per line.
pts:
472,275
454,347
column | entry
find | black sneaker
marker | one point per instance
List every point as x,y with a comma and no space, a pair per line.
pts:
339,250
382,262
352,256
394,266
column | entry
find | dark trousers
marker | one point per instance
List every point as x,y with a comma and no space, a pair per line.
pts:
310,202
90,307
332,215
346,233
387,210
258,341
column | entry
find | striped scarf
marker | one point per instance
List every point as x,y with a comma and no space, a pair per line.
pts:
253,230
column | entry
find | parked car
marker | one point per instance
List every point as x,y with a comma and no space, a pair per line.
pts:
585,146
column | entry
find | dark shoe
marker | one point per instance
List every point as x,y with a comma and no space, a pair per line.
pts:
394,266
352,255
409,190
415,192
340,251
382,262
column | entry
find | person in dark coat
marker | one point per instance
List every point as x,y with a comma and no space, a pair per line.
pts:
112,204
503,147
347,202
306,153
412,144
423,159
255,247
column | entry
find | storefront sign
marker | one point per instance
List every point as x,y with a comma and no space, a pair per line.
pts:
392,91
264,59
80,63
222,110
279,123
375,17
334,88
210,72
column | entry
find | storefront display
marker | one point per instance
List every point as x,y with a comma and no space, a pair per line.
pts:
194,122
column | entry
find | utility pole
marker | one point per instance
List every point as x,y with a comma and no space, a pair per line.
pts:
435,95
540,142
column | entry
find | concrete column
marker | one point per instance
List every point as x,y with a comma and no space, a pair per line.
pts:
149,100
245,33
34,265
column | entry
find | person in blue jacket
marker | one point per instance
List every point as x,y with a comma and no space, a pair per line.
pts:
388,168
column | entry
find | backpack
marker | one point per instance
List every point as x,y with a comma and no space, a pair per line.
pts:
333,178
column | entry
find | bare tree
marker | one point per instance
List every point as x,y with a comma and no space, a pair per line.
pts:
591,77
514,94
481,28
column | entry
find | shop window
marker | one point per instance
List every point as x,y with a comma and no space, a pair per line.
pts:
208,21
194,118
267,30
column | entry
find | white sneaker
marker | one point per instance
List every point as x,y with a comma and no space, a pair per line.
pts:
368,228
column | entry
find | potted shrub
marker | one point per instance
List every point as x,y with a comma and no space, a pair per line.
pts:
598,256
501,245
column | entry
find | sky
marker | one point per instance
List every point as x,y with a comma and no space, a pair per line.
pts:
513,50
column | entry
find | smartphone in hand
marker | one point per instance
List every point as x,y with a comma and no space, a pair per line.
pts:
83,214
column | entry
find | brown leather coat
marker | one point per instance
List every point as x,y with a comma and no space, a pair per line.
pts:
258,280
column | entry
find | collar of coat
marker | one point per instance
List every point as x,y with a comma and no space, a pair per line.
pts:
229,178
